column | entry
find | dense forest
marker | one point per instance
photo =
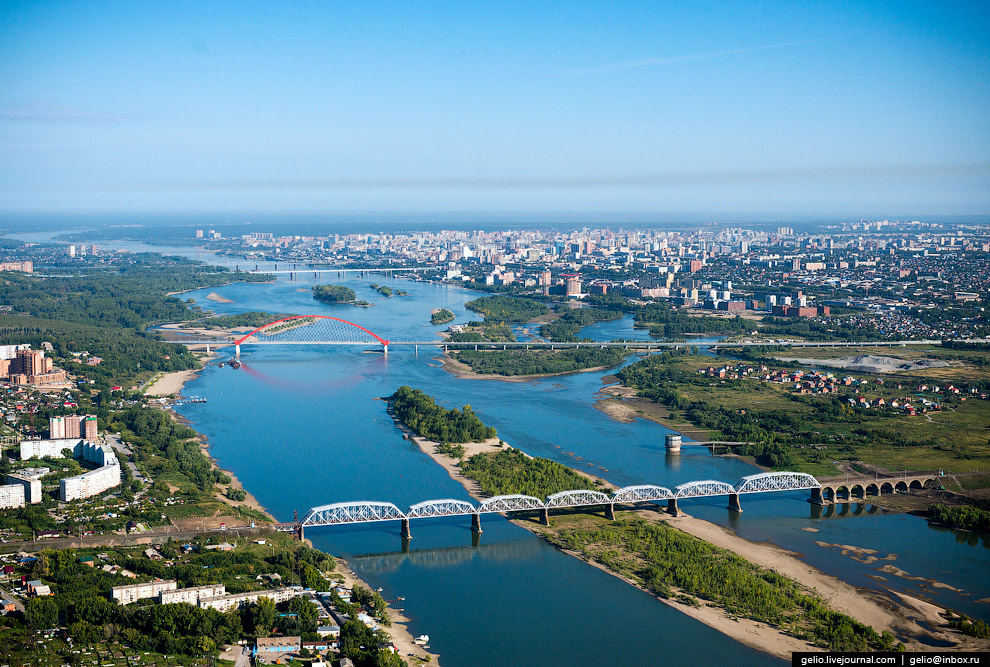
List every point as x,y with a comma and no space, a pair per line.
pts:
566,327
507,309
333,293
835,329
539,361
670,324
663,558
511,471
421,413
481,332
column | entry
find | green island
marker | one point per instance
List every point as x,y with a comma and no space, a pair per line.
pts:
251,319
511,471
566,327
538,361
976,517
501,308
807,420
483,332
333,294
674,565
441,316
387,291
421,413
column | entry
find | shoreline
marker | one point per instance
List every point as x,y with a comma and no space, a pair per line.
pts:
462,371
913,618
399,631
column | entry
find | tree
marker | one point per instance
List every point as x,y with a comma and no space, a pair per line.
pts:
42,613
263,616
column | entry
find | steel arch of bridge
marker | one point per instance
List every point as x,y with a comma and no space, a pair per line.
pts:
510,503
705,487
445,507
322,329
352,512
577,498
642,493
776,481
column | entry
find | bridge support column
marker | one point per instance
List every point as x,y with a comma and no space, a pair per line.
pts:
545,516
385,349
734,502
301,533
610,512
237,351
406,534
476,523
672,506
816,497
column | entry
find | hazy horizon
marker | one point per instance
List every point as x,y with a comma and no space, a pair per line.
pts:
840,110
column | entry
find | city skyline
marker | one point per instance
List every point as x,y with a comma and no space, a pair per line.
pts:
839,110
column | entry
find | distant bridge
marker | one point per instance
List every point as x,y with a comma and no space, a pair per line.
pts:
339,514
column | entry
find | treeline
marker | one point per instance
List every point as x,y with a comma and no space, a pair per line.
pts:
670,324
251,319
665,558
132,298
481,332
970,518
810,330
566,327
163,445
539,361
420,412
511,471
333,293
507,309
125,352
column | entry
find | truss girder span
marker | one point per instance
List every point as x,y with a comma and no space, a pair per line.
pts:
353,512
642,493
445,507
510,503
776,481
578,498
707,487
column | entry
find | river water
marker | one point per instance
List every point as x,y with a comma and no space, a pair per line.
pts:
301,426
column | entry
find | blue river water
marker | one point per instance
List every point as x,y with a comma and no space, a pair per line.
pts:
302,426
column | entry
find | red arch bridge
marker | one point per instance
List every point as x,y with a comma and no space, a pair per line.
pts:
338,514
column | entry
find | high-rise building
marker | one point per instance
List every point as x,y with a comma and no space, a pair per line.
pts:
73,426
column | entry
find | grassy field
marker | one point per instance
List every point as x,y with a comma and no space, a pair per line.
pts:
964,365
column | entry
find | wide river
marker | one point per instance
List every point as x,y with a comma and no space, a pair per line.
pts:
301,426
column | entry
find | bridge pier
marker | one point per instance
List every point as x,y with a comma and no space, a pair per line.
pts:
476,523
406,534
734,503
385,349
672,506
816,497
545,516
610,512
300,533
237,350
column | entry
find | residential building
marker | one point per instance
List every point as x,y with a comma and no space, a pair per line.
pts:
134,592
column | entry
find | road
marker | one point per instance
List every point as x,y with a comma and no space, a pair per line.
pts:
8,597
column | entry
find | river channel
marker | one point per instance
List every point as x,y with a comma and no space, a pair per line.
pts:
301,426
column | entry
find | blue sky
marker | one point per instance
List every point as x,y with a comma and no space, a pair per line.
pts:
828,108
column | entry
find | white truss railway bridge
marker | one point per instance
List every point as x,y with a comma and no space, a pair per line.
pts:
363,511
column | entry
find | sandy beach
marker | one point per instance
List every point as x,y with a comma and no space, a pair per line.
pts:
905,620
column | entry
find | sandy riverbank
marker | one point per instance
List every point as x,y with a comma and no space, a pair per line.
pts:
909,620
621,404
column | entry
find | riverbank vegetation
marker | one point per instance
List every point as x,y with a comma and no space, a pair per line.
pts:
253,319
566,327
441,316
969,518
671,324
674,565
483,332
538,361
507,309
805,431
511,471
421,413
333,293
